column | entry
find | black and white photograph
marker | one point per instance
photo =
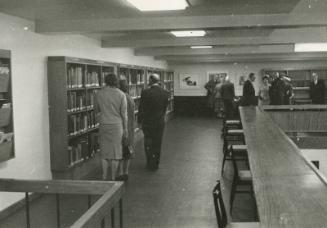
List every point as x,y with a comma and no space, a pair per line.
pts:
163,114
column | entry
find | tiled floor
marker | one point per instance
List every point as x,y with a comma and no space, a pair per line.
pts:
177,195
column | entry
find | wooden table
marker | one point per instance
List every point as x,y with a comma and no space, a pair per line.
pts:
288,191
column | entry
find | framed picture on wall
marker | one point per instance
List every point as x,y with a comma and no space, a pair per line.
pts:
189,81
216,75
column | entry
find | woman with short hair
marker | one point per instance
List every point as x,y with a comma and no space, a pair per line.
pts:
111,109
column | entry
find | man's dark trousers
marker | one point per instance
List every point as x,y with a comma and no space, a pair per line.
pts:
152,143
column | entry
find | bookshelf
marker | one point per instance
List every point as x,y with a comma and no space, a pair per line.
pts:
72,85
136,79
301,79
6,110
74,143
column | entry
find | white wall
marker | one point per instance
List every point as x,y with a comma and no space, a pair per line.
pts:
234,71
30,95
317,155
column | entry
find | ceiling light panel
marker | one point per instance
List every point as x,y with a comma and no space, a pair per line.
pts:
194,33
159,5
201,47
310,47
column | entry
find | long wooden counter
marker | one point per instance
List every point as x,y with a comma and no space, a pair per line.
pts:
289,191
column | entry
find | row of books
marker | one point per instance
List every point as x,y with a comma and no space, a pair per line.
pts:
81,122
83,149
77,79
168,86
135,91
92,79
80,101
133,79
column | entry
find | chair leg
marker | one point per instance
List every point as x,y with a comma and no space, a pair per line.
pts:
222,166
232,195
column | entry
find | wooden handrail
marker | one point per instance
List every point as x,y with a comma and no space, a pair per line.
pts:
100,209
111,195
293,107
56,186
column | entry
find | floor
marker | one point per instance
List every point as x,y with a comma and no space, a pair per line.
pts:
177,195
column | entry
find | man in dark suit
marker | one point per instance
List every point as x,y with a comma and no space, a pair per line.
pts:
249,97
317,90
228,94
151,118
277,90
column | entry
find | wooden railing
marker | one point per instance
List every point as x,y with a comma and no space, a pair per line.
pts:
299,118
111,195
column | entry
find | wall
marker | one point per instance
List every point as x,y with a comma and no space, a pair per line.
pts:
30,96
234,71
317,155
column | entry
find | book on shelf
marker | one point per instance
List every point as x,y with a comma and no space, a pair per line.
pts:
133,91
78,151
94,145
92,79
75,77
81,122
140,78
4,79
90,96
76,101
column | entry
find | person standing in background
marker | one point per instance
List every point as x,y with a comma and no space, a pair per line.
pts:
210,87
111,109
151,118
128,142
218,104
317,90
249,97
288,96
277,90
264,91
228,94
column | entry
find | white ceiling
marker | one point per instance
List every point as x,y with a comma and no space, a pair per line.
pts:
236,28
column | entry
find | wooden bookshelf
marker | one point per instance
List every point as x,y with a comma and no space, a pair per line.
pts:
72,85
74,143
136,79
300,80
7,150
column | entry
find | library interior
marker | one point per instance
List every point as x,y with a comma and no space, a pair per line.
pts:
163,113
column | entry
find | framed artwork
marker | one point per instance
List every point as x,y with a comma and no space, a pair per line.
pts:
189,81
213,75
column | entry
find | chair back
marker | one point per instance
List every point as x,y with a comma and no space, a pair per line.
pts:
234,163
219,206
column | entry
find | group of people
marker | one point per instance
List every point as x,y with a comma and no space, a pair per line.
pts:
115,110
275,90
220,96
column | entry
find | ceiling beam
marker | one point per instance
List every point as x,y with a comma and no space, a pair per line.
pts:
181,22
246,58
278,36
287,48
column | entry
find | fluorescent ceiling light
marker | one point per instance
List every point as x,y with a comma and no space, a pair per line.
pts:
200,47
193,33
310,47
159,5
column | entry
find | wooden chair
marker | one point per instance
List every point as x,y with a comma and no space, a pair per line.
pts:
230,124
232,137
221,215
240,178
